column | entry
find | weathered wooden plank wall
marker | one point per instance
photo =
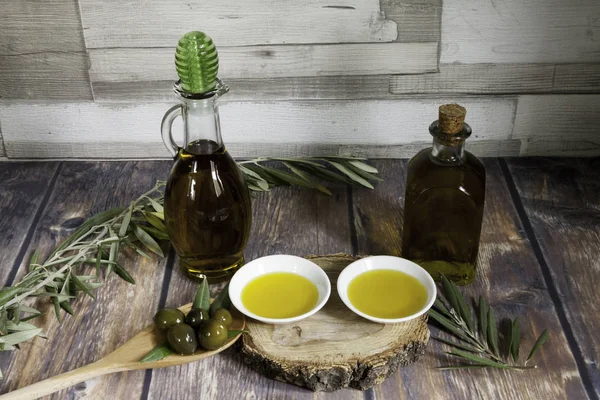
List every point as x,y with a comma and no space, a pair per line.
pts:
89,70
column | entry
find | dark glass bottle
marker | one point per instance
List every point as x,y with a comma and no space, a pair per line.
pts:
207,204
443,205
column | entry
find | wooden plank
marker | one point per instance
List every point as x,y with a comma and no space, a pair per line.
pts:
23,186
577,78
285,221
42,53
417,20
515,31
121,309
558,125
485,148
45,75
478,78
354,87
508,276
123,65
140,23
561,199
502,79
132,130
30,26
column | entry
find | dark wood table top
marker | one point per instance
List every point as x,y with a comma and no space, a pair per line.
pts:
539,259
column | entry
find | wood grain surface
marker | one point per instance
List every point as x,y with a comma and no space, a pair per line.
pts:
561,198
23,189
99,327
140,23
508,276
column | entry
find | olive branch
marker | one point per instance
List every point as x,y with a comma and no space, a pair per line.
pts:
478,344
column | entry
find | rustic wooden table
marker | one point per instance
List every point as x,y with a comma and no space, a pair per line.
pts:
539,259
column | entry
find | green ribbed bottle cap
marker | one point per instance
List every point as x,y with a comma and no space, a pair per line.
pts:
197,62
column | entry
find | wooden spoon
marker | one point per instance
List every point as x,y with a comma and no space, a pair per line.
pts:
125,358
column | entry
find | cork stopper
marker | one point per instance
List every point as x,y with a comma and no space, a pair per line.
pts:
451,118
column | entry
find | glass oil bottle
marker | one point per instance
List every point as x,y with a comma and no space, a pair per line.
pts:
443,206
207,204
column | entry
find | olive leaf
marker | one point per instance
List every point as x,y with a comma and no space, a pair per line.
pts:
233,333
15,338
351,174
147,241
202,299
306,178
34,260
161,235
126,221
538,343
155,221
477,359
222,300
492,332
483,319
123,273
157,353
363,166
156,205
515,339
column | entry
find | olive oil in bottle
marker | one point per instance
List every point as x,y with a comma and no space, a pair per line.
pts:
207,205
443,205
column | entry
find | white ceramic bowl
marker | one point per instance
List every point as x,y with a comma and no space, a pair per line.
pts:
386,262
279,263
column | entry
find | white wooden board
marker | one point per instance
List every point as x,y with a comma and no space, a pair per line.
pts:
353,87
138,23
558,125
502,79
517,31
478,79
127,65
28,26
577,77
89,130
45,75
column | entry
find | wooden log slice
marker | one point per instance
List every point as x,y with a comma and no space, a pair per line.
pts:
334,348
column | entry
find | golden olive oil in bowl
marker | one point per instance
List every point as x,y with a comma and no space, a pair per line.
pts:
279,289
387,293
386,289
280,295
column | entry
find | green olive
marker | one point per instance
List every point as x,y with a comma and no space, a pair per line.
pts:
182,339
224,316
212,335
196,317
168,317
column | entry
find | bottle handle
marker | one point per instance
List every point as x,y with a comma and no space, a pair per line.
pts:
165,127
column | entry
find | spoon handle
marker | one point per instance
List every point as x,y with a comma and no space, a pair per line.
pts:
62,381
